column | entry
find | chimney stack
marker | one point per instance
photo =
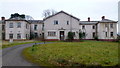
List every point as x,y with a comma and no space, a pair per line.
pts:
103,17
2,18
89,19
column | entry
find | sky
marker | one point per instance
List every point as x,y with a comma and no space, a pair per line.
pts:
81,9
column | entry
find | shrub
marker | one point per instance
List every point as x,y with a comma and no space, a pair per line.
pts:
70,36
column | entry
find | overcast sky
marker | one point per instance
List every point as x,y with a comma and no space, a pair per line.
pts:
79,8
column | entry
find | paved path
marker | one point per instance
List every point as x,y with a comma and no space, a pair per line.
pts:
12,56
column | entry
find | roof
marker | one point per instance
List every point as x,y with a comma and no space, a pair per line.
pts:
16,20
35,21
64,13
88,22
107,21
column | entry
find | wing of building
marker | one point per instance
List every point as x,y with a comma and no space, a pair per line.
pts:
57,26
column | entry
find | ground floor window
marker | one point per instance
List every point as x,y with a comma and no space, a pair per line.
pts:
111,34
36,35
51,33
93,34
106,34
27,36
18,36
11,36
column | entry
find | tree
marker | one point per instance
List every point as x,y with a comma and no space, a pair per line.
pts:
82,35
70,36
48,12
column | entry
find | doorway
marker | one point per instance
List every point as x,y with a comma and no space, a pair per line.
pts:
61,35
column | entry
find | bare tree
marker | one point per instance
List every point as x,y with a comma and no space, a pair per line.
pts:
28,17
48,12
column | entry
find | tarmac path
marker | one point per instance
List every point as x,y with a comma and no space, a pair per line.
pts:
12,56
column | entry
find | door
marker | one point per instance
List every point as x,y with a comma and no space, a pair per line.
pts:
61,35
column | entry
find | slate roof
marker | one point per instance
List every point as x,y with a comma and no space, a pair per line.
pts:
88,23
35,21
64,13
107,21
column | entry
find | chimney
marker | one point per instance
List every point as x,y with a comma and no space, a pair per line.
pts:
2,18
103,17
89,19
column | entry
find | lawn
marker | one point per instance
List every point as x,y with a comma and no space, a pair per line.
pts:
6,44
88,53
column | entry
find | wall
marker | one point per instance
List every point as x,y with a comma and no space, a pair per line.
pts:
62,26
16,30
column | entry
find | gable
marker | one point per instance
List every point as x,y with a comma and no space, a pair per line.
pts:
63,13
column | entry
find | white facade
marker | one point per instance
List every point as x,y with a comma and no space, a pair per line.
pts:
56,27
36,28
65,24
24,30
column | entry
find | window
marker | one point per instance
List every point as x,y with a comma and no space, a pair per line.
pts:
36,35
11,25
27,36
93,26
11,36
106,25
67,22
51,33
18,25
111,34
55,22
18,36
35,27
83,27
27,26
106,34
111,25
93,34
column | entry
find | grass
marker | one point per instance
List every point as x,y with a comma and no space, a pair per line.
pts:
6,44
73,53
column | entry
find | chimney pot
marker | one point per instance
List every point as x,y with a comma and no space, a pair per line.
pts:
103,17
2,18
89,19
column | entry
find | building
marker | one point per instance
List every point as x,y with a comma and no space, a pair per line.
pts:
57,26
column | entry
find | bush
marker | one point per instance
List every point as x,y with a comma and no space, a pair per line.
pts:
70,36
81,35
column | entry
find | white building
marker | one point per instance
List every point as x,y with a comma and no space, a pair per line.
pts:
57,26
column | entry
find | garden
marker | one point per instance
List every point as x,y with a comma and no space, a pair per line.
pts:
85,53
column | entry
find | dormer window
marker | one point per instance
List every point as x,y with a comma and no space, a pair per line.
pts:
55,22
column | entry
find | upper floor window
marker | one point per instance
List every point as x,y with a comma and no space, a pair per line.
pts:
18,25
83,27
111,25
67,22
27,26
106,25
111,34
35,27
51,33
11,25
55,22
93,26
18,36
